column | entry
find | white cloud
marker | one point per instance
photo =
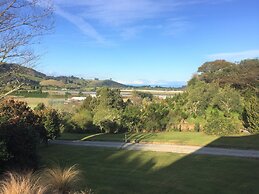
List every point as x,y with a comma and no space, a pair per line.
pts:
235,56
124,17
79,22
120,12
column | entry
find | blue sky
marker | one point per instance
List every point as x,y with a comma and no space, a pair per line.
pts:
156,42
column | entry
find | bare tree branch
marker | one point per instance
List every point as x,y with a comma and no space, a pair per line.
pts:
22,23
10,92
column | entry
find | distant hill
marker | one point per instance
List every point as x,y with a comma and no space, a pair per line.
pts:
106,83
10,73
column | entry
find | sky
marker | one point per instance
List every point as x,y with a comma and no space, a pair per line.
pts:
148,42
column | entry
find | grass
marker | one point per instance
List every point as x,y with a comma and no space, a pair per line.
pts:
15,183
56,180
181,138
61,180
122,171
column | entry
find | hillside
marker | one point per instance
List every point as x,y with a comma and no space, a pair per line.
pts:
11,73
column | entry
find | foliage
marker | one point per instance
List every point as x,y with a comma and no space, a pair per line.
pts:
214,97
137,96
110,98
108,119
82,120
218,124
32,94
131,118
19,134
155,117
240,75
52,123
251,115
228,100
40,107
89,103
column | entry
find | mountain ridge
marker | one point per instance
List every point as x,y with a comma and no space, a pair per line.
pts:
12,73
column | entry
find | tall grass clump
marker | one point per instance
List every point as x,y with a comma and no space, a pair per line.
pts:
27,183
61,180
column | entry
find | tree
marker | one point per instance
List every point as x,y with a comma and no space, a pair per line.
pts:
213,66
131,118
109,98
200,97
82,120
155,117
218,124
22,22
52,124
228,99
251,115
108,119
89,103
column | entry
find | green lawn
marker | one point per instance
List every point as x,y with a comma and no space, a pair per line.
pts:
122,171
182,138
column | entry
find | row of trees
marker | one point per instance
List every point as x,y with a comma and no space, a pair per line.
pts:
210,104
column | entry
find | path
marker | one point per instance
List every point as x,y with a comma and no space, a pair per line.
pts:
165,148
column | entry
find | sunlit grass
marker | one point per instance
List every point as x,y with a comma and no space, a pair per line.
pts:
180,138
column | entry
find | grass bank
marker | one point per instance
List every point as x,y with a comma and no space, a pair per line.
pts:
181,138
122,171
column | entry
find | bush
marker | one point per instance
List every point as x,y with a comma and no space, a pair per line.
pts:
131,118
218,124
82,121
109,126
108,120
50,119
251,115
52,124
155,117
19,135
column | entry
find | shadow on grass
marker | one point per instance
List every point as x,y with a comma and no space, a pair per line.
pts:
123,171
138,137
242,142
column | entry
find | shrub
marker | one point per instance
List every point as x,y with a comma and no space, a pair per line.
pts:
82,120
19,135
108,119
155,117
131,118
51,120
61,180
251,115
52,123
218,124
4,155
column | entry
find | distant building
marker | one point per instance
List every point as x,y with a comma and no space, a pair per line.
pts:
77,98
